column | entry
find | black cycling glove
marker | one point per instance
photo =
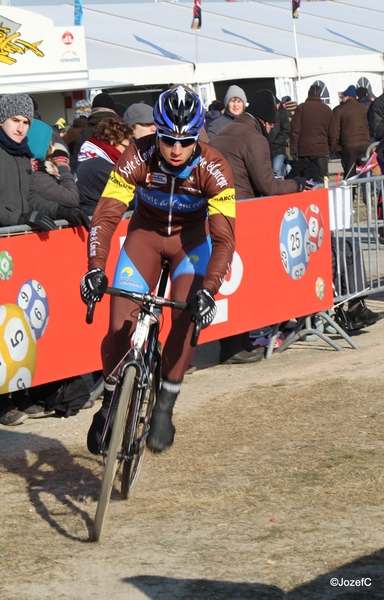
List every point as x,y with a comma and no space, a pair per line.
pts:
203,308
93,285
37,220
75,216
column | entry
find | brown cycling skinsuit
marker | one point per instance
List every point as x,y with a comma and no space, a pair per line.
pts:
170,221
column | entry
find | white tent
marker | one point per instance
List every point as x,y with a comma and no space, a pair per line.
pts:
152,43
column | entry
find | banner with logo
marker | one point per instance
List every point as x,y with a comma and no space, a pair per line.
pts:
281,270
32,50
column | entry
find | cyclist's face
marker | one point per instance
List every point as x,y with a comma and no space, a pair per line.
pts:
175,155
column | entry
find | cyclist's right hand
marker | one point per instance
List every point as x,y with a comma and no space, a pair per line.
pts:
93,285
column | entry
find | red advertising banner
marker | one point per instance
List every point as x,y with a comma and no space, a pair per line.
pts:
281,270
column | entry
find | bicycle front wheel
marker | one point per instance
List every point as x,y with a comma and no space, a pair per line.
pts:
136,435
115,447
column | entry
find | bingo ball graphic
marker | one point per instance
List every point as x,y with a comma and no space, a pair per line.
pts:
294,243
33,300
6,265
315,225
17,349
320,288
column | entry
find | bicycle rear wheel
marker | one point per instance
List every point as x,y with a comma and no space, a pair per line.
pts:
115,447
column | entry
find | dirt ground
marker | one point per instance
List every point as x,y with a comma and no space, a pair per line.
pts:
273,489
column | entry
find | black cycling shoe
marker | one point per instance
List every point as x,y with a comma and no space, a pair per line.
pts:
97,425
161,429
95,430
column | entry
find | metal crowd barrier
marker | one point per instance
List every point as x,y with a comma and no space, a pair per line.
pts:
357,230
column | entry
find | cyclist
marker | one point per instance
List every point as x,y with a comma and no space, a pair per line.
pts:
184,211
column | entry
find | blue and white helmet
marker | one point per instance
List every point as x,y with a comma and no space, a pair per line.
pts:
179,110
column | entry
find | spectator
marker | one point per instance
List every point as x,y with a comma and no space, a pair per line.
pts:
278,137
235,101
60,127
290,107
139,118
53,178
215,110
363,97
103,106
284,101
19,202
97,158
352,131
313,132
120,109
245,144
82,111
375,117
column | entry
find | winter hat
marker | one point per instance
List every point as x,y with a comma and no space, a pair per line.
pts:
138,113
350,91
262,105
39,138
361,92
291,105
103,100
12,105
120,108
285,99
216,105
82,109
234,91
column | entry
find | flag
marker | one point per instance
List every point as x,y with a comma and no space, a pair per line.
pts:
196,22
78,12
295,8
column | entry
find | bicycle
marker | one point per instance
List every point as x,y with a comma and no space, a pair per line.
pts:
123,439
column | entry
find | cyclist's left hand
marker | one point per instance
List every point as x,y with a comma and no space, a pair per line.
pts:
203,307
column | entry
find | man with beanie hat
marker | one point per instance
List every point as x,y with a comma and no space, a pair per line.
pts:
352,131
235,101
103,106
313,132
139,117
19,202
362,96
245,144
80,120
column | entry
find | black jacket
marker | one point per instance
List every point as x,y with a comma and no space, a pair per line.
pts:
279,134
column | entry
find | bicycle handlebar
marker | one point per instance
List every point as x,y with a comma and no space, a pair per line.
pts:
155,300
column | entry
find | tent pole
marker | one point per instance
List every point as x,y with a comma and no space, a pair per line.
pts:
298,83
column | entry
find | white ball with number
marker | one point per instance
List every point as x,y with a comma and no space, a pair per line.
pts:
294,243
6,265
316,226
32,298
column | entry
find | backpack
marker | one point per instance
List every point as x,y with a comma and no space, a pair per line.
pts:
66,396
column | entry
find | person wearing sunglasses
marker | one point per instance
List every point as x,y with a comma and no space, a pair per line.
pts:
182,188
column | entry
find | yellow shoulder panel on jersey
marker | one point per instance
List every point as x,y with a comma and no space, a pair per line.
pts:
223,203
119,189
